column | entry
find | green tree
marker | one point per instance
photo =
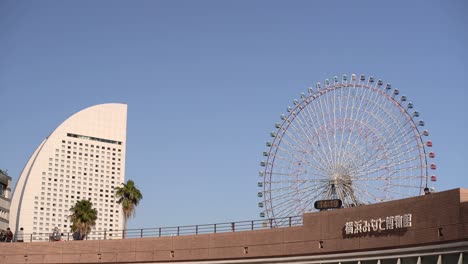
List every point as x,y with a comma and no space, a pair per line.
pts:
83,218
128,196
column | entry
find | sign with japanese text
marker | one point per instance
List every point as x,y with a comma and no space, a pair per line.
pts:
378,225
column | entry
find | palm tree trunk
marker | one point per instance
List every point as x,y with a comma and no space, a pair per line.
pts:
125,227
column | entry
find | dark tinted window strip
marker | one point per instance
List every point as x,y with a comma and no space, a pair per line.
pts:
94,139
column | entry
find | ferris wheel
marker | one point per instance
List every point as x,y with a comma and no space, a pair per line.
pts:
355,140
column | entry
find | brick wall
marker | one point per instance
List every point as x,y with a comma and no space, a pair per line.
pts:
437,218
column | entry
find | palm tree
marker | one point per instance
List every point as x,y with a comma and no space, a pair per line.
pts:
83,218
128,196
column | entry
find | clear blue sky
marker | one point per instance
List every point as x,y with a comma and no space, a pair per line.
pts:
205,81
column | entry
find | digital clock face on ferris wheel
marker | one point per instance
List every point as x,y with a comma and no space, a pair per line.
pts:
354,139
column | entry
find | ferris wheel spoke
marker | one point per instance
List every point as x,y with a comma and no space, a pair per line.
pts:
327,135
279,189
283,167
311,198
394,165
288,175
386,178
347,197
350,89
355,110
389,190
397,145
395,137
290,165
320,156
385,162
384,189
286,205
308,121
294,191
368,196
286,210
336,120
399,156
365,168
358,148
290,172
318,161
383,126
386,126
382,153
303,160
329,114
394,153
312,195
351,117
400,149
279,174
344,119
295,135
373,104
353,93
371,192
297,163
300,180
296,186
404,186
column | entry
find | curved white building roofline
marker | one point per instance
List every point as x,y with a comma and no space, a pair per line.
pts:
83,158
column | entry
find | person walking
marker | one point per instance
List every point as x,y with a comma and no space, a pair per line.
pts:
20,235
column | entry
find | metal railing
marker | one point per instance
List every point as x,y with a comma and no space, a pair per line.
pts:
171,231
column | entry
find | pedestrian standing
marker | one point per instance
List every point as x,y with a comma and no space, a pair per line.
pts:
20,235
9,235
56,235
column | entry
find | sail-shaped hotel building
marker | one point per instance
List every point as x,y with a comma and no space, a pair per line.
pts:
83,158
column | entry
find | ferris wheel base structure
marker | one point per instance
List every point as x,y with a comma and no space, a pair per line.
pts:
425,229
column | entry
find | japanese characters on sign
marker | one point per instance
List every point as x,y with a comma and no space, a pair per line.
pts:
378,225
